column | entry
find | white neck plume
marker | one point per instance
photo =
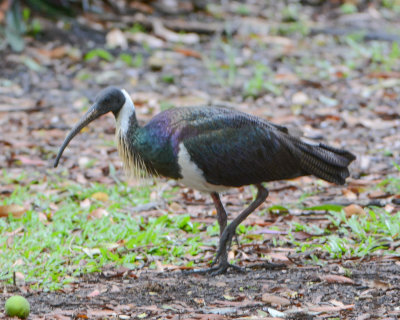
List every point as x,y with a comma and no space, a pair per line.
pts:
124,115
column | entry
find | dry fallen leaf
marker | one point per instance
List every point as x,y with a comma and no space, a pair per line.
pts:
333,278
19,276
42,217
116,38
94,293
100,196
279,257
378,284
18,262
302,235
354,209
231,255
15,210
104,314
175,207
349,194
141,6
275,300
300,98
55,53
159,266
229,298
98,214
378,194
329,309
81,316
199,300
188,52
85,204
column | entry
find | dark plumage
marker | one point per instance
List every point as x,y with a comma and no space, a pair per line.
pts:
214,148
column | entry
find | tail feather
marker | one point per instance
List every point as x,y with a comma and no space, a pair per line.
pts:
323,161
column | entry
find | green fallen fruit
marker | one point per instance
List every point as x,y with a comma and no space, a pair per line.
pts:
17,306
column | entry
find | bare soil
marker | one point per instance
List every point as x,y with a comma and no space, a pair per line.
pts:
176,295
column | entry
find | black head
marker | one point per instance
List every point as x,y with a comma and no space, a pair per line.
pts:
109,99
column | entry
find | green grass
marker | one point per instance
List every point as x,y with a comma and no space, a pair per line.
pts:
98,53
165,105
55,242
376,55
53,252
348,8
261,82
355,236
224,71
130,61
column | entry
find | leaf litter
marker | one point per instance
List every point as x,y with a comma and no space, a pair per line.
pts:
337,88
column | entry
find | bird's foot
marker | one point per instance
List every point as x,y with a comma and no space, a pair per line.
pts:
215,270
220,265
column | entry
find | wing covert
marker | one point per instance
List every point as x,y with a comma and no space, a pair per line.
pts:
242,155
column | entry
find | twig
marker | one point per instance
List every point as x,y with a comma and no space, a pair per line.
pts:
366,35
175,25
25,109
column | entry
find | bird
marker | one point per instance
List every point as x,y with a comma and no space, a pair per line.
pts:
212,149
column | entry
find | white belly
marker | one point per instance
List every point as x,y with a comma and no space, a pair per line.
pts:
192,175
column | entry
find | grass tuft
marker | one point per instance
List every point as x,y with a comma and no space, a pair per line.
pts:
57,240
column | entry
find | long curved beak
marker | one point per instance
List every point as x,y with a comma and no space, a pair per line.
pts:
92,114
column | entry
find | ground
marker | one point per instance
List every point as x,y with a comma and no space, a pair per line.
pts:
328,70
172,295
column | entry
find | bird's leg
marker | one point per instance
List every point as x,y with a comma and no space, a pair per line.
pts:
221,216
221,263
221,213
229,232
